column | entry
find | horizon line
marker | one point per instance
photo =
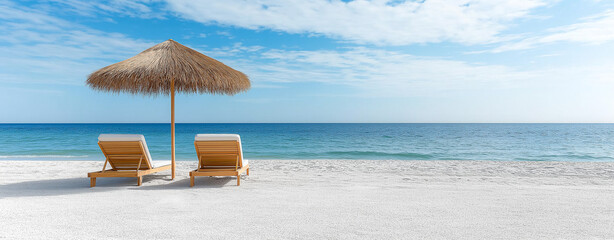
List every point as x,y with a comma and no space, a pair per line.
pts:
308,123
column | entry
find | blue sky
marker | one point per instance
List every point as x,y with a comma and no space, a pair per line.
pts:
320,61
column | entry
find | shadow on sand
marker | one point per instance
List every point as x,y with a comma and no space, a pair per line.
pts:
199,182
67,186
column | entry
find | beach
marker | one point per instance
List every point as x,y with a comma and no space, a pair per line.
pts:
340,119
314,199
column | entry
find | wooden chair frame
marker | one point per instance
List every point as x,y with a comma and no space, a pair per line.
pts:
123,165
219,169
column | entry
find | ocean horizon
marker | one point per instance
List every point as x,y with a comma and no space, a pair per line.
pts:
343,141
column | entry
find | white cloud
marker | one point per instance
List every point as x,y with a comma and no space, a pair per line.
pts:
225,34
37,47
596,29
40,48
362,21
132,8
371,71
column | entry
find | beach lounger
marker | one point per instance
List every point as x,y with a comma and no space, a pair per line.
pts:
219,155
128,156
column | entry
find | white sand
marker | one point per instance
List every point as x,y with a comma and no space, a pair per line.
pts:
314,199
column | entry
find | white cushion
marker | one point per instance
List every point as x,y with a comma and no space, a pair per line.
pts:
126,138
222,137
121,137
217,137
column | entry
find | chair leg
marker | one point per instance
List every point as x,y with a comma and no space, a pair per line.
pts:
247,171
191,181
238,179
92,182
139,180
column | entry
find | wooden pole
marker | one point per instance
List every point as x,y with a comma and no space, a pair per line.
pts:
173,127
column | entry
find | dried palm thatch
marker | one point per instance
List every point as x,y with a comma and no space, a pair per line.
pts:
167,68
151,72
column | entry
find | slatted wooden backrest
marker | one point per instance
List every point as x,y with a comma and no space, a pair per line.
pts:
218,153
125,155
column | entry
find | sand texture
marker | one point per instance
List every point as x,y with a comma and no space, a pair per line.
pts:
313,199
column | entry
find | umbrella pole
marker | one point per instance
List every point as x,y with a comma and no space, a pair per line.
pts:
173,127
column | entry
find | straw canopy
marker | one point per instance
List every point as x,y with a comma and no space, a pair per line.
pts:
152,72
167,68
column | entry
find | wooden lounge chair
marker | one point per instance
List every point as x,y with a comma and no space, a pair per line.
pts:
128,156
219,155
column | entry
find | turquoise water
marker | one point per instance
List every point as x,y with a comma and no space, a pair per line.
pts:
509,142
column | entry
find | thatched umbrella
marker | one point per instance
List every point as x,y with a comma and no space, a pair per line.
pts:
167,68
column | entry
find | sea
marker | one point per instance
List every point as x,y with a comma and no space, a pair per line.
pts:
342,141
